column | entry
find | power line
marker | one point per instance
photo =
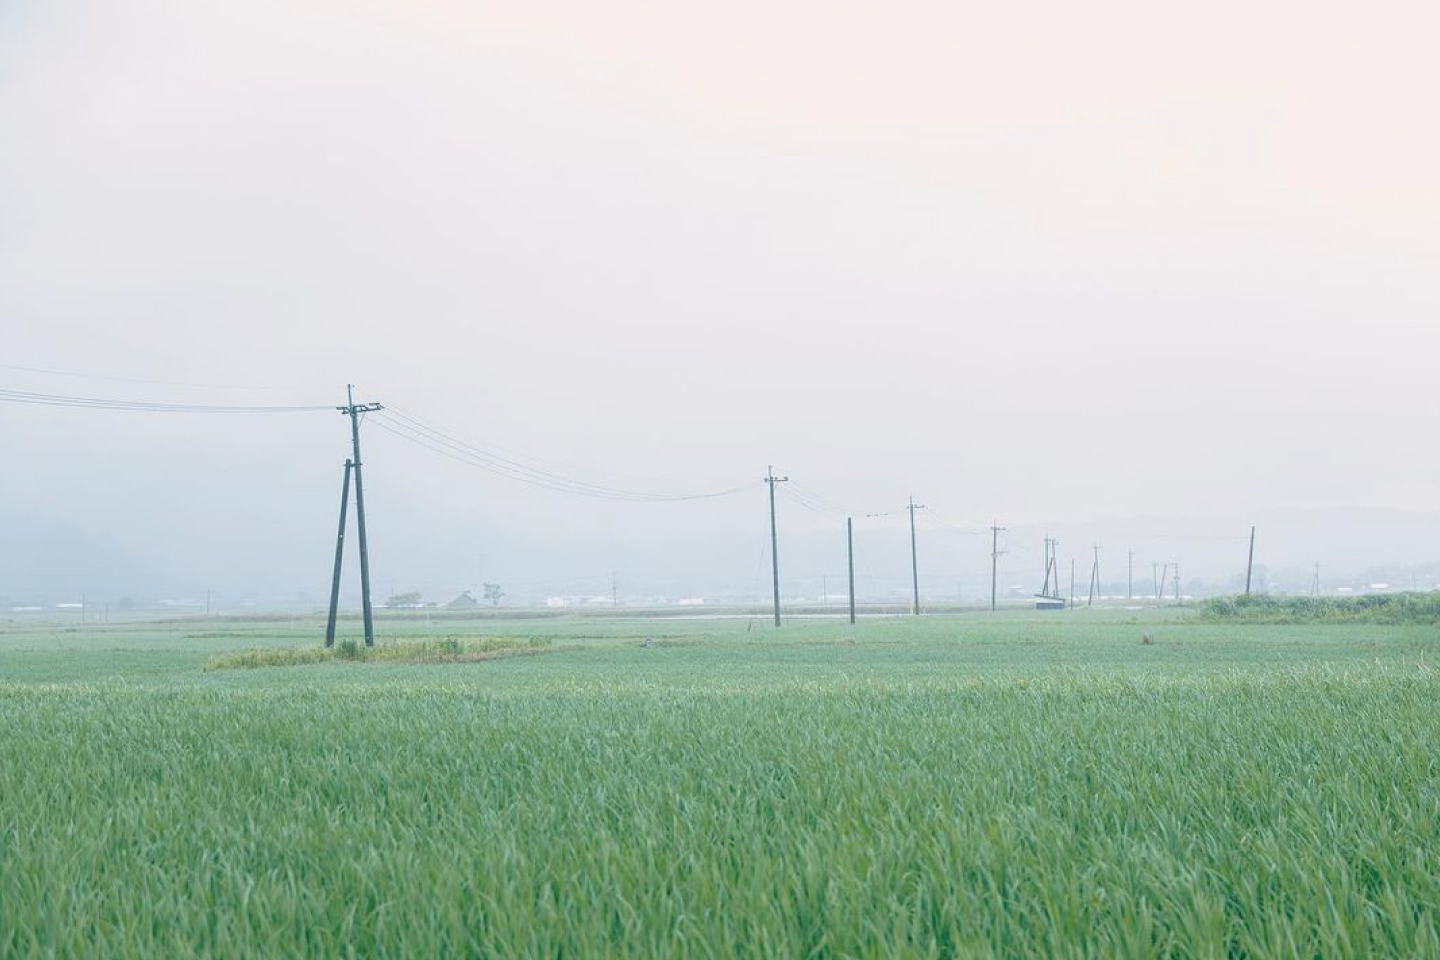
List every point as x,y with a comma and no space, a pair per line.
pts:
142,406
157,383
471,455
809,505
824,501
445,439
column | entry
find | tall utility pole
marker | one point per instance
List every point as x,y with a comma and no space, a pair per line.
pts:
995,531
1177,583
1130,575
1315,587
353,411
1155,575
770,481
914,562
614,593
339,557
1094,577
1052,568
850,552
1072,581
1250,564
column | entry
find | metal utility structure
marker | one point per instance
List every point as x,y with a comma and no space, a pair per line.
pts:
1049,596
850,557
1315,587
1250,563
1177,582
1094,578
354,411
995,551
914,561
770,481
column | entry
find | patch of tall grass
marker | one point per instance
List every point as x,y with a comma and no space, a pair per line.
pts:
434,650
1386,608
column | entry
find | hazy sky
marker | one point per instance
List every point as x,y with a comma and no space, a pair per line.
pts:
1044,262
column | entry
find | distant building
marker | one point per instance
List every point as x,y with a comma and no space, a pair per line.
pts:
463,602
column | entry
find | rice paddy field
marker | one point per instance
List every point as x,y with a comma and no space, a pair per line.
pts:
1012,785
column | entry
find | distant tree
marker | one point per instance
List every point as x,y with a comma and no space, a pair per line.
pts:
493,593
411,599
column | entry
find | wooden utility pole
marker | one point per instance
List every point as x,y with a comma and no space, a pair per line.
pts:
914,561
1072,581
1177,583
850,552
770,481
339,558
1155,575
995,531
1315,587
353,411
1130,575
1250,564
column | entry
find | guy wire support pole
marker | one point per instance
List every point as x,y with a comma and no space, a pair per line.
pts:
353,411
770,481
850,543
339,557
914,562
1094,578
1250,564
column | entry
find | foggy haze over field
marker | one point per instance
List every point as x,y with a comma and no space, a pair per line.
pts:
1122,289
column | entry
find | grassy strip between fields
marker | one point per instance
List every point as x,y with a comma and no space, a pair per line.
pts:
436,650
1388,608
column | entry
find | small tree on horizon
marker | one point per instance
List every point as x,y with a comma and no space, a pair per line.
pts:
493,593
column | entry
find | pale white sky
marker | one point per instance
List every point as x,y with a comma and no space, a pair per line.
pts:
1044,262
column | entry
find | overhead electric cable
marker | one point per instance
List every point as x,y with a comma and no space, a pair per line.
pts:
442,438
478,457
142,406
157,383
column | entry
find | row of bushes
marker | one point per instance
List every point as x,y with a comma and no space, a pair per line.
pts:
1377,608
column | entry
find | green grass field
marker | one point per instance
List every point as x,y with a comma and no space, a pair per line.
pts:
1020,785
